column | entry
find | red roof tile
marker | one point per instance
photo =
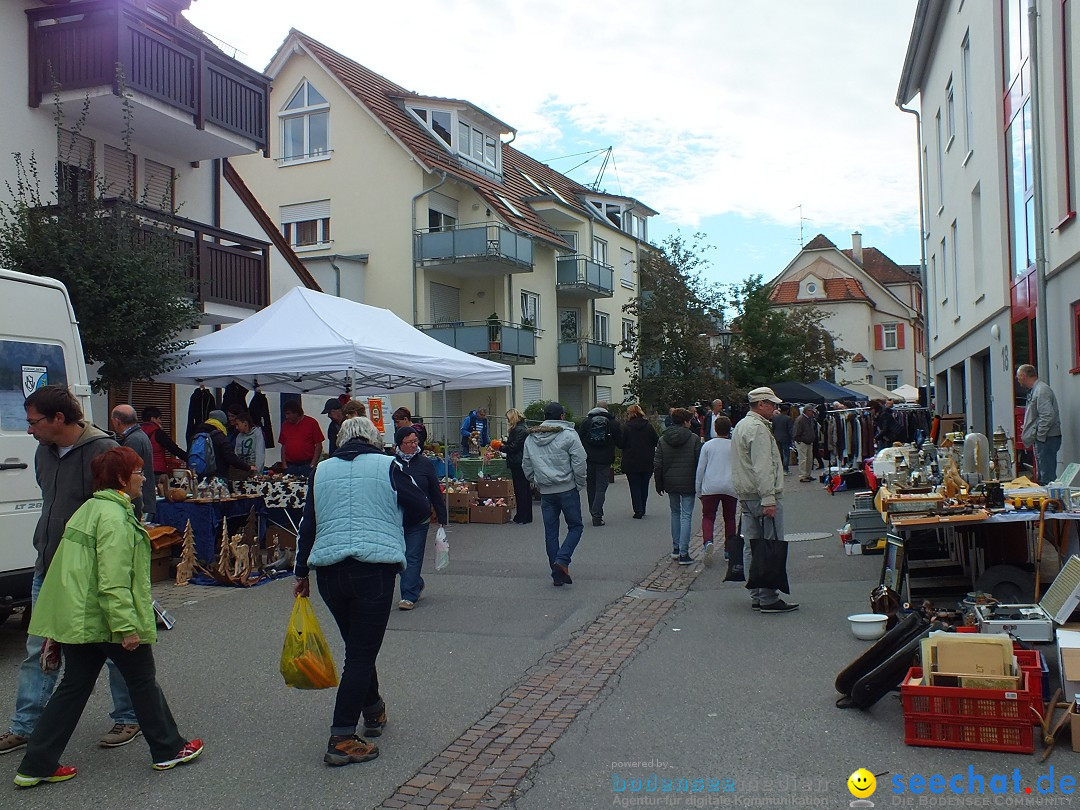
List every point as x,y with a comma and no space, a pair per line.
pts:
883,269
380,95
836,289
858,358
819,242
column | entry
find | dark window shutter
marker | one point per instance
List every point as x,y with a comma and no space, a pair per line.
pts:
899,336
879,338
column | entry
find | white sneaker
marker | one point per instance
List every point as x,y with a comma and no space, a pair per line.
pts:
710,549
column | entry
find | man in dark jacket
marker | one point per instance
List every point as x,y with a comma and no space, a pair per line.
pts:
782,428
805,434
55,419
130,434
639,448
600,435
675,471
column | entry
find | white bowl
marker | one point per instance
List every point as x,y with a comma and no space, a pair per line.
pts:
868,626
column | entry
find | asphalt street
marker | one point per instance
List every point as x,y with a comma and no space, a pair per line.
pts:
716,692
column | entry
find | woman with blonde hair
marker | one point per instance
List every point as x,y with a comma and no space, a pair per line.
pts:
639,444
515,450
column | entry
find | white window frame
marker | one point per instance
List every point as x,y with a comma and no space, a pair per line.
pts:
626,270
889,335
896,380
628,336
317,212
305,112
950,114
490,162
969,111
529,302
601,327
599,250
940,162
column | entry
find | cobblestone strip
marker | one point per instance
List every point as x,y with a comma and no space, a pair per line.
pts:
484,766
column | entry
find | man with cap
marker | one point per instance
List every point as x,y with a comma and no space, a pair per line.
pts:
758,475
333,409
554,460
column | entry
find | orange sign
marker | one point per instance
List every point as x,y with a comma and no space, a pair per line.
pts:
374,410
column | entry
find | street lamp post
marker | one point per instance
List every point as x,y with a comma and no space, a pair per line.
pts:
723,337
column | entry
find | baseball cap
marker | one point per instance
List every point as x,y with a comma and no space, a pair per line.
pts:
762,394
333,404
554,410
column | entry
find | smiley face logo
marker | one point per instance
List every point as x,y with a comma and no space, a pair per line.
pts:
862,784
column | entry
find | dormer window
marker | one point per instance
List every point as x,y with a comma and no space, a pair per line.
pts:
470,141
305,126
810,287
618,213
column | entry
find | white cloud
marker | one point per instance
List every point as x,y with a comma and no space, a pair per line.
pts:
712,107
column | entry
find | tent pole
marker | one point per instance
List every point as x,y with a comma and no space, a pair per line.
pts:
446,452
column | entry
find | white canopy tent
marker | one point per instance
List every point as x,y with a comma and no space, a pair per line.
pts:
906,392
870,390
308,342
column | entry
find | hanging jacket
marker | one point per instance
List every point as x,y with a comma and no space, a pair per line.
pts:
199,406
259,408
98,586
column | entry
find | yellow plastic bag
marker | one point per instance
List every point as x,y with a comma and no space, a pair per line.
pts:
306,662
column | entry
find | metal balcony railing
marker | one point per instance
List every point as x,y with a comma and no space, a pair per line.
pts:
582,273
586,356
489,243
115,44
497,340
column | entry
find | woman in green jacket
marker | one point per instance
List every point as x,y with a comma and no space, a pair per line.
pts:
95,601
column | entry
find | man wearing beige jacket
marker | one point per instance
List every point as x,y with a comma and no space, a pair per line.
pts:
758,475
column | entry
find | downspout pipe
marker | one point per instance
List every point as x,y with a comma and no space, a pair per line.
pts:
1042,328
922,248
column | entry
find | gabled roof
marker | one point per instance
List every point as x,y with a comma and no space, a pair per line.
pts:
384,99
882,268
836,289
858,358
819,242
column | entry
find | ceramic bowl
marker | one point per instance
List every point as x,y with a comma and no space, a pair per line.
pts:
868,626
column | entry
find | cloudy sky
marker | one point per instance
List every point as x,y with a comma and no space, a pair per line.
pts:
724,116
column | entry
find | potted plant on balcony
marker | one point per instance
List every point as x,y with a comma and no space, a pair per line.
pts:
527,323
494,332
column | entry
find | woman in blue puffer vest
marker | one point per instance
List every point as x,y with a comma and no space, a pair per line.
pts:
352,532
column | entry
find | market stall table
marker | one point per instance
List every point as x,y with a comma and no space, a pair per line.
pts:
206,518
283,497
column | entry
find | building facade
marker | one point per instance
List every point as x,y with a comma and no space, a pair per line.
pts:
983,73
151,110
873,308
421,205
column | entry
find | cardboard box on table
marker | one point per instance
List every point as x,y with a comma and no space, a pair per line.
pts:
494,488
1069,661
479,513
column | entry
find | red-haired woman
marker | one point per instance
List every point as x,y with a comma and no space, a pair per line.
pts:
96,602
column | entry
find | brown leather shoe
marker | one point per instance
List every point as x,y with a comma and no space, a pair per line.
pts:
344,750
12,742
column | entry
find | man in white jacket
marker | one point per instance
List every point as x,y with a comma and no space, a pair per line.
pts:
758,475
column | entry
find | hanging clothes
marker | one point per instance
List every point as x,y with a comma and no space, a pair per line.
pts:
199,406
234,394
259,408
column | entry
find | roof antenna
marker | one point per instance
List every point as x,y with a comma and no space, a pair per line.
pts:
603,167
802,221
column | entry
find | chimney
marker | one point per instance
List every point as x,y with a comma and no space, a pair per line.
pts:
856,247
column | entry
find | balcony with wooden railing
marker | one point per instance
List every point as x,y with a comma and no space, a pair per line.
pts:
187,97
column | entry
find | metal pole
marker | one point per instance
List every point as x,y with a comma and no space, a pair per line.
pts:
1041,326
923,280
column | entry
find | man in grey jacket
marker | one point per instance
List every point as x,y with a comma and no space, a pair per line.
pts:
554,460
1042,423
758,476
130,434
66,446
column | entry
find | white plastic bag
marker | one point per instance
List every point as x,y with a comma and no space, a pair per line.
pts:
442,550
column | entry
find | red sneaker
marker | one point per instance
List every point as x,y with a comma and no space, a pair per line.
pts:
185,754
61,774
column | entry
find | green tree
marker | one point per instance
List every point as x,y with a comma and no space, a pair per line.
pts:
126,273
673,361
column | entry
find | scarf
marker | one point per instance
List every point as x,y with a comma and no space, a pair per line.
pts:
407,457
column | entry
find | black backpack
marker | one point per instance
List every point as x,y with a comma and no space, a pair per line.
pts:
597,430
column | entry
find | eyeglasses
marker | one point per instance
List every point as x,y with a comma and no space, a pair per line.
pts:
32,422
139,473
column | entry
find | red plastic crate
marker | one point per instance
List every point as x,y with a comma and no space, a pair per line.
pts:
955,717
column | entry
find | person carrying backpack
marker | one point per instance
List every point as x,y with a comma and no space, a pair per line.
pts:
600,435
210,452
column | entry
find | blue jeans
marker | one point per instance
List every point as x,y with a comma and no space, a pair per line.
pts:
682,516
1046,454
568,504
415,543
35,687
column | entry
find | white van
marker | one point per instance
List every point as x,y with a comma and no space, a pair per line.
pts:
39,345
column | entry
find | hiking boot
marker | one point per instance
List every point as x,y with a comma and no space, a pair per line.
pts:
563,572
710,549
375,719
61,774
779,606
406,604
686,559
189,752
343,750
120,734
12,742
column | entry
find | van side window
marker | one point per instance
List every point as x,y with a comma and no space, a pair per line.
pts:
25,366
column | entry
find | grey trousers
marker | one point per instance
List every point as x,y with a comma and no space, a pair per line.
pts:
596,483
751,528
